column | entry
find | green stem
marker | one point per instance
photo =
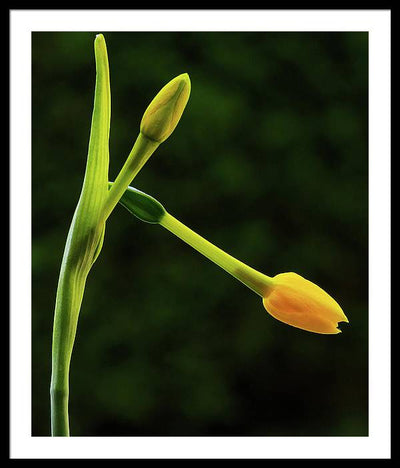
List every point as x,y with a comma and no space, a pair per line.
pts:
253,279
140,153
59,412
70,289
69,298
83,244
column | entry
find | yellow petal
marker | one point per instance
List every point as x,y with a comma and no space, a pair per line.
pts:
302,304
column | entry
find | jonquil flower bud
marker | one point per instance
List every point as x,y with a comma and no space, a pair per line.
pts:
298,302
166,109
288,297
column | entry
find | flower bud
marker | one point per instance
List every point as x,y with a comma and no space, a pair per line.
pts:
141,205
298,302
166,109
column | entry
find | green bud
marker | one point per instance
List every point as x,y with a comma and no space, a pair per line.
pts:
143,206
166,109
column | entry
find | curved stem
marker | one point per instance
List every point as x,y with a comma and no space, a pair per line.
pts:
253,279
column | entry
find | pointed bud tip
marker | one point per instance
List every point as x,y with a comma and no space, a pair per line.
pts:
185,77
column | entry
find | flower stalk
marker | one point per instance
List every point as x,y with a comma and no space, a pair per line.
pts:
96,203
253,279
84,241
288,297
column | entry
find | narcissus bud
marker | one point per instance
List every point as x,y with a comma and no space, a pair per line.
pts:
298,302
166,109
288,297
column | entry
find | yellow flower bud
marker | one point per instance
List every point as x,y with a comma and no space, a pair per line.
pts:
166,109
298,302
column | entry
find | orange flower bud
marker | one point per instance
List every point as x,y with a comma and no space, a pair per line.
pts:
298,302
288,297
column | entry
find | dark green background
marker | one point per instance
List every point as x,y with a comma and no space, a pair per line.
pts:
269,162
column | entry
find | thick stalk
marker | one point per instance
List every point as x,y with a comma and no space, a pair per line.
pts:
69,298
83,243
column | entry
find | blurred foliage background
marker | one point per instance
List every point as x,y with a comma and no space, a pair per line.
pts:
269,162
